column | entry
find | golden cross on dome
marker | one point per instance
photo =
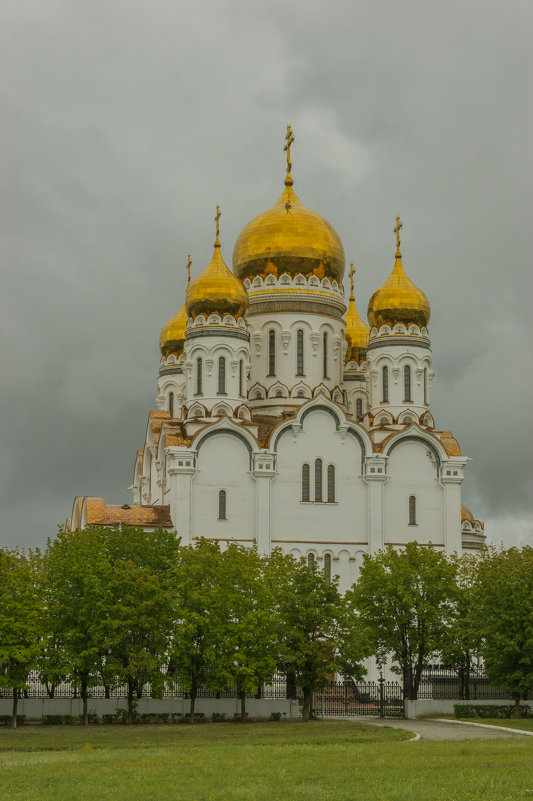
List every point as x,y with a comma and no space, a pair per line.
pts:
217,221
188,268
352,273
289,139
397,229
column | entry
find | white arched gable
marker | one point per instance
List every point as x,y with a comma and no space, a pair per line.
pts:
226,426
414,433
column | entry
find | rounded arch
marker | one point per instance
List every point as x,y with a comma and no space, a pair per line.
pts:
278,390
197,410
225,426
222,409
415,434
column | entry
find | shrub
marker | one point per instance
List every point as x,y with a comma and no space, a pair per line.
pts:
5,720
500,711
275,716
218,717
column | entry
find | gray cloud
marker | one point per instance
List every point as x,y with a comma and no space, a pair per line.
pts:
124,124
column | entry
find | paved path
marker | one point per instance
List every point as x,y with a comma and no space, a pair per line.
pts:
438,730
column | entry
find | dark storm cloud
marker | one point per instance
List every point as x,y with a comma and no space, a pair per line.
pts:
124,123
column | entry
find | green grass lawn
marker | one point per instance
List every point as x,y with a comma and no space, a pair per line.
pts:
288,761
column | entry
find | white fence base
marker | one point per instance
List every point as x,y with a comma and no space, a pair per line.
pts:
444,706
36,708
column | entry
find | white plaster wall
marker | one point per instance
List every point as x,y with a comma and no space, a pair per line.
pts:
318,524
223,463
210,349
286,325
396,357
411,471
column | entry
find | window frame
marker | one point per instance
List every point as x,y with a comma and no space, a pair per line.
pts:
222,505
300,352
171,403
407,384
325,355
318,481
272,352
306,483
331,483
385,384
327,566
412,510
199,376
221,376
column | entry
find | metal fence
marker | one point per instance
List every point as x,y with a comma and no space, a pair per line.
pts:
437,682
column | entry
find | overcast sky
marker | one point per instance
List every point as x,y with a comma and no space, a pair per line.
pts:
124,122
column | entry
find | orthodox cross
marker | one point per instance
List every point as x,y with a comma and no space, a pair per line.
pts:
217,219
289,139
397,229
352,273
189,262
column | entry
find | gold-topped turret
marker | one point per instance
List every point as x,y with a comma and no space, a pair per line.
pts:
289,238
216,290
399,300
357,332
172,336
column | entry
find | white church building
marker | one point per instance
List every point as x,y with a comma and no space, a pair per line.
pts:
284,421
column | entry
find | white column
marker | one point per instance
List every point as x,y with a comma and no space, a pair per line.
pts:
263,472
375,476
451,477
181,467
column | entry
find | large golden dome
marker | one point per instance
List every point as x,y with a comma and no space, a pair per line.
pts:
216,290
398,300
288,238
172,334
357,332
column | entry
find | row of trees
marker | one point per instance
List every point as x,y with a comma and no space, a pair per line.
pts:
122,607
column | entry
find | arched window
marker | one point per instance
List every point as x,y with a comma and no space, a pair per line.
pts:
385,384
331,483
318,480
305,483
407,384
222,505
412,510
171,403
425,386
358,409
327,566
199,389
221,376
241,378
325,353
272,352
299,352
310,560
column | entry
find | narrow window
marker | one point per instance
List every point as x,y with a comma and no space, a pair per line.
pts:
327,566
385,382
358,409
222,376
199,376
305,482
318,480
412,510
272,352
241,378
310,560
299,352
407,384
171,403
222,505
331,483
425,386
325,346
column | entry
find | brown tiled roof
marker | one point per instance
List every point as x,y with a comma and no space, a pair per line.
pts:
266,423
157,417
106,514
449,443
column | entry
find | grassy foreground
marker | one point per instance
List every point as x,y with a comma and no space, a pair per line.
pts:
289,761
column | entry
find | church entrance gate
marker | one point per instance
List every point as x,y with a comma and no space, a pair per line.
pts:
382,699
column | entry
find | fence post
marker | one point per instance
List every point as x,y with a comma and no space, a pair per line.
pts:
381,681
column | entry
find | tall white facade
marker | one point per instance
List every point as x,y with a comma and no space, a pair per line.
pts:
283,421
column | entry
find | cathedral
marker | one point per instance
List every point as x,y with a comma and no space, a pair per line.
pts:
284,421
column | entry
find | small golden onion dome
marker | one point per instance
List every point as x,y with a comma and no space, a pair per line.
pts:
216,290
357,334
398,300
172,334
289,238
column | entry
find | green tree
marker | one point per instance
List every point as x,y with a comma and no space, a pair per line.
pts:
250,635
503,606
138,631
307,607
406,600
460,645
198,654
79,606
20,621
